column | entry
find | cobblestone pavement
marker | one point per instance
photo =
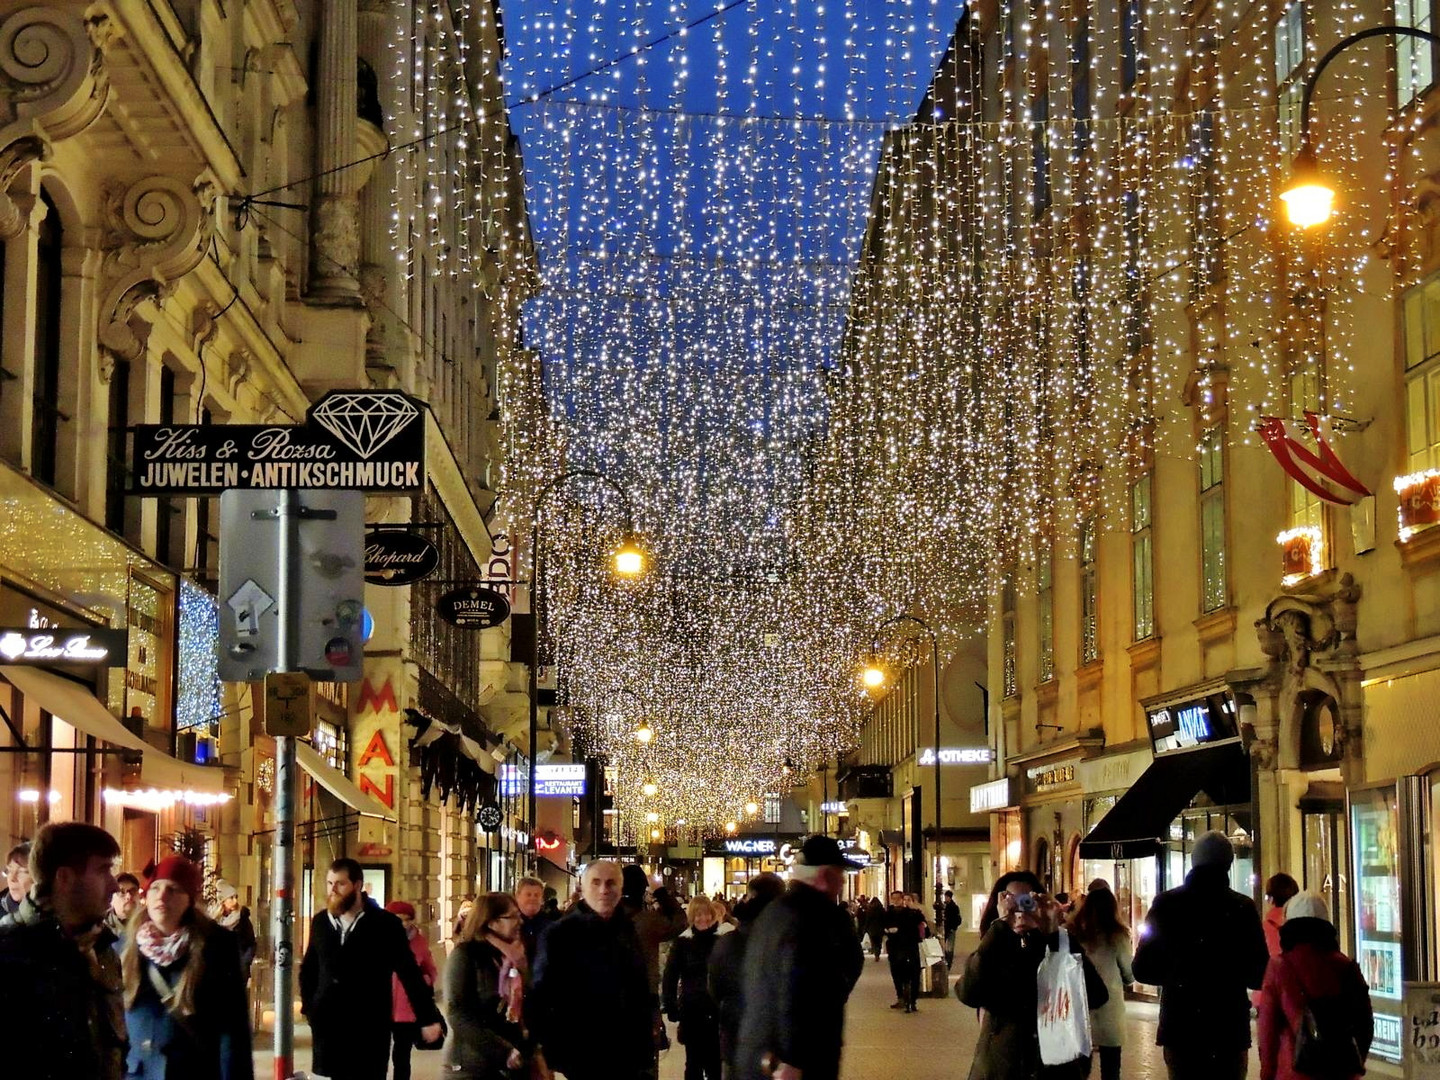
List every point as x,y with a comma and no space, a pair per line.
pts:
937,1043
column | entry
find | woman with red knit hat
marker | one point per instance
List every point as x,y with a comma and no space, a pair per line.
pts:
185,1004
406,1027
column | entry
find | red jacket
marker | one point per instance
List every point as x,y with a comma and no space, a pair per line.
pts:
403,1013
1306,971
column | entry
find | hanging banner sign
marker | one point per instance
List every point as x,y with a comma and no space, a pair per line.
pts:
62,645
473,607
366,440
393,557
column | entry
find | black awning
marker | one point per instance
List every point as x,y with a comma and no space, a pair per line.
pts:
1139,823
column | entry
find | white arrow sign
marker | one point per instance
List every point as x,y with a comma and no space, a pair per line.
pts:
249,602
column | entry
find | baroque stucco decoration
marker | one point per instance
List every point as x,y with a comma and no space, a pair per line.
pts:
1308,635
53,85
157,230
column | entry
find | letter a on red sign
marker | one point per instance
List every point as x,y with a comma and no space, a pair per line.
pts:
377,751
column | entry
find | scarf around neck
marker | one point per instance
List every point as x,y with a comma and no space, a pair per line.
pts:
159,948
512,975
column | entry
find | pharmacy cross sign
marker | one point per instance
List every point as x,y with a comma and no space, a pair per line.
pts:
368,440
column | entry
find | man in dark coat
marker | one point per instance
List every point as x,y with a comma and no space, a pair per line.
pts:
64,1014
727,964
530,899
345,985
1203,946
902,942
801,963
591,1007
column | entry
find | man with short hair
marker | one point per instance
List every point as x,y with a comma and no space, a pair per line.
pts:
58,957
122,904
950,912
904,927
345,980
800,965
591,987
530,899
1203,946
17,879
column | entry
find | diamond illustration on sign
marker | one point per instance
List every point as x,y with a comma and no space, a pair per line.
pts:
12,645
249,602
364,422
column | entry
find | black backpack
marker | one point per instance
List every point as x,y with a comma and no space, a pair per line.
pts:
1325,1043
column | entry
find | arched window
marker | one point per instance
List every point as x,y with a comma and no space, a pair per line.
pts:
1319,730
46,415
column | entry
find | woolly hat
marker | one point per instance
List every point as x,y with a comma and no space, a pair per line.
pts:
1212,849
633,882
401,907
1307,905
182,872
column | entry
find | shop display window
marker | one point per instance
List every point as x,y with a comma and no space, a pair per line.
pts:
1374,824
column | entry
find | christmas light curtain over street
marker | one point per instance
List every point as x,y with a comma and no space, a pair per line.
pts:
697,206
1074,269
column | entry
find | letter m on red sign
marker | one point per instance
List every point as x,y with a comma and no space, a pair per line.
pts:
378,700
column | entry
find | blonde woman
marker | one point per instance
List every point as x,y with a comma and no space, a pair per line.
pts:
185,1004
687,993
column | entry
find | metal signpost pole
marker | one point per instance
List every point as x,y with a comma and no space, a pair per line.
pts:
283,857
935,689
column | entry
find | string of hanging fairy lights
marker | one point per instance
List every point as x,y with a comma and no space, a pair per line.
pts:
823,420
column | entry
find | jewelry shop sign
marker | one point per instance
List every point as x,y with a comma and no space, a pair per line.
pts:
367,440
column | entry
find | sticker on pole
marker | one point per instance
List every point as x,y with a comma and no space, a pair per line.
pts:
249,602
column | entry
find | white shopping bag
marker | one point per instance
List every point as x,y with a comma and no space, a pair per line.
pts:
1063,1016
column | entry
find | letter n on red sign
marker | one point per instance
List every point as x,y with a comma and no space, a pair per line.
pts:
387,796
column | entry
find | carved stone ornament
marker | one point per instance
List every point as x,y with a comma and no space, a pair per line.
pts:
157,230
1318,616
52,75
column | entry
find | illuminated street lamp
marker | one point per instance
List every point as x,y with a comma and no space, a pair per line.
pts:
752,808
1309,197
731,826
644,733
630,560
873,676
649,789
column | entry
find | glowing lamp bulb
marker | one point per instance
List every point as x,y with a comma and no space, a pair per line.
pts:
1309,198
652,817
629,559
654,834
644,733
730,826
873,677
649,789
751,807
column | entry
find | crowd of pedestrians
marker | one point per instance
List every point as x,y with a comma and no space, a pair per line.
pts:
130,976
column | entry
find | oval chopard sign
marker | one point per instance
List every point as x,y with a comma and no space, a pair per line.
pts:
473,607
398,558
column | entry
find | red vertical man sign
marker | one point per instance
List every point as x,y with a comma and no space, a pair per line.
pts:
377,722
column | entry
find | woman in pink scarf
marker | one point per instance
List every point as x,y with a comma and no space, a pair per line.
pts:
485,980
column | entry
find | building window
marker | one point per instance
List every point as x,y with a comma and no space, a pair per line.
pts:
1205,266
772,809
1212,520
1132,42
1414,58
1007,632
1289,80
49,280
1306,508
1080,107
1089,592
116,465
1422,375
1134,274
1040,148
1142,556
1045,614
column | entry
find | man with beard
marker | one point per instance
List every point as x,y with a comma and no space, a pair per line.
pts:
345,985
591,1007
